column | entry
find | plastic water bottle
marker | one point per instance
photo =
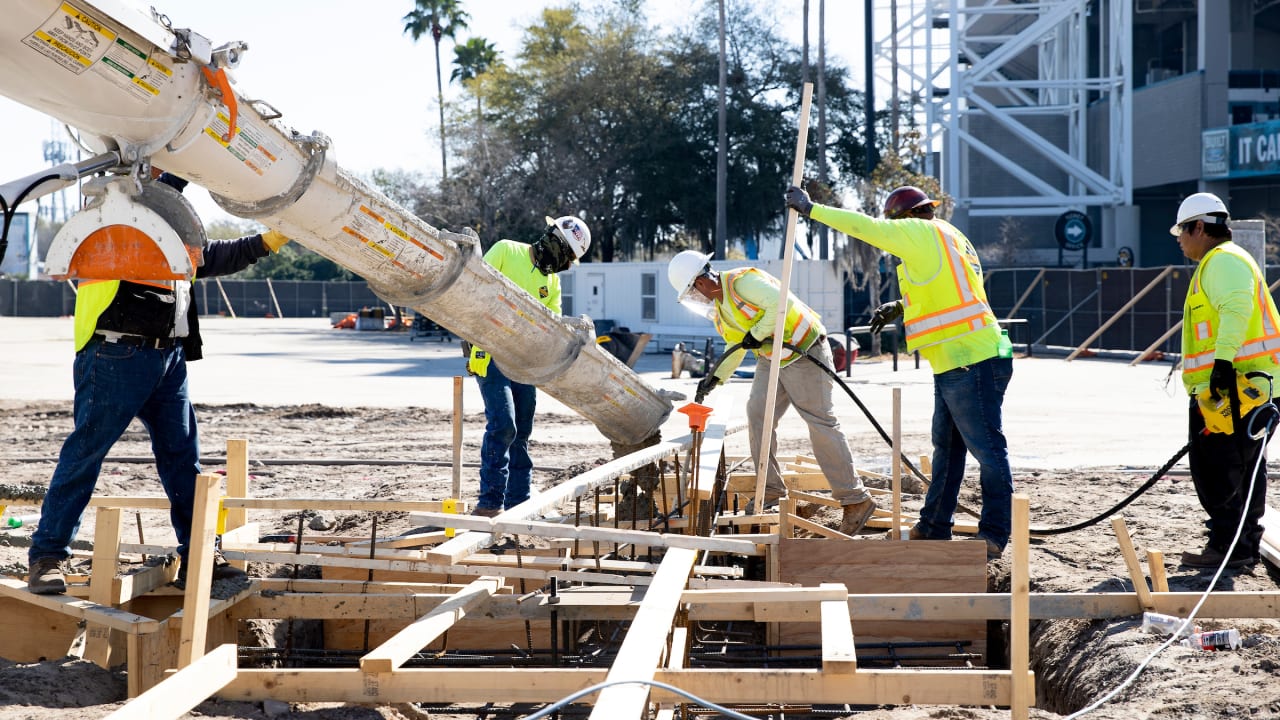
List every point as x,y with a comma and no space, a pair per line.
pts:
17,521
1215,640
1153,622
1005,348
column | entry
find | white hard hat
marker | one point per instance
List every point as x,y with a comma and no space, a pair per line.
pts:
574,232
684,268
1201,206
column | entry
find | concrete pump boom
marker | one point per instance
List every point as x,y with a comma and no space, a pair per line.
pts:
131,83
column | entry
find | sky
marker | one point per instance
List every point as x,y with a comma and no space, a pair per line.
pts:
358,78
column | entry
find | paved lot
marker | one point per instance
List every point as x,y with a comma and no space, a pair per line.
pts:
1057,414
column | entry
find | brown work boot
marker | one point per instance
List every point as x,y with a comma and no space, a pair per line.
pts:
916,533
856,516
486,512
1212,558
45,577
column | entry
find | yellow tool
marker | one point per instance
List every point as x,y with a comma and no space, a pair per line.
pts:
1217,411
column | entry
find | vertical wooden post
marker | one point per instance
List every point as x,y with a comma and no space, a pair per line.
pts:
457,437
1131,562
237,486
1155,568
897,464
1023,694
784,288
195,605
106,556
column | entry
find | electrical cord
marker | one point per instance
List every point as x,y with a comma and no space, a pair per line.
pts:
1268,408
10,211
654,683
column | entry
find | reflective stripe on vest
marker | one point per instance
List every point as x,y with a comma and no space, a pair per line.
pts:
801,327
1261,348
958,291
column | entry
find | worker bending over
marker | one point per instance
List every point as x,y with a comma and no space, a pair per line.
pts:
948,319
505,466
1230,326
743,304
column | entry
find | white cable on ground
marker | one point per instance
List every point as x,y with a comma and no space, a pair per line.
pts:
1205,596
672,688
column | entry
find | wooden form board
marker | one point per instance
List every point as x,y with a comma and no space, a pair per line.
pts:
183,690
396,650
879,566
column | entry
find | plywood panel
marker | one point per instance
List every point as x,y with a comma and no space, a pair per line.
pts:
29,633
882,567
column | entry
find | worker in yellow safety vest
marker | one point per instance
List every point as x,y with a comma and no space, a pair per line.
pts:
506,469
1230,328
133,340
947,318
743,305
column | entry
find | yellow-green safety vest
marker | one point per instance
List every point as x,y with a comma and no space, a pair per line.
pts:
1261,347
93,297
801,328
950,303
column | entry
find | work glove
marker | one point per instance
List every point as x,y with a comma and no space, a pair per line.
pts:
798,200
751,342
705,386
274,240
1222,383
885,314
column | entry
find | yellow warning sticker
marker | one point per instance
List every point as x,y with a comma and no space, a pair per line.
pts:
138,73
393,242
71,38
249,145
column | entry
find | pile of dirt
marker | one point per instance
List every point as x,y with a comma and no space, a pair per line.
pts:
316,451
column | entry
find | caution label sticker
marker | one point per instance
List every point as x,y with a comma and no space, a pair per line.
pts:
391,242
72,38
144,76
248,145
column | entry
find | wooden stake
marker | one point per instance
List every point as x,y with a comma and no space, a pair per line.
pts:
897,463
237,486
106,555
195,606
457,437
1131,562
225,299
1155,568
1022,692
274,301
788,256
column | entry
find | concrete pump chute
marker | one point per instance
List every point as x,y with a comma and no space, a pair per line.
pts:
131,83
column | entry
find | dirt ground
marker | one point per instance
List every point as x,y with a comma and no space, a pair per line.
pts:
1075,661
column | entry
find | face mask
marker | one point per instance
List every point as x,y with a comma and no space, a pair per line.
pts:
551,255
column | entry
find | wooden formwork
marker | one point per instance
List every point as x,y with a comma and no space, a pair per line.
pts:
390,599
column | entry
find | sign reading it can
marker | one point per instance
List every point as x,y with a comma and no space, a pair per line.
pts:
1240,151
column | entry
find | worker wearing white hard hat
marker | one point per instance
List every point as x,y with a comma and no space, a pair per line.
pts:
506,469
1230,331
743,305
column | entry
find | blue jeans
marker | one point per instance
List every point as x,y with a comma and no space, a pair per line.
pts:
114,384
967,417
505,466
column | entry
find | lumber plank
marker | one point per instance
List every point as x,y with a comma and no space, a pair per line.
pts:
106,556
195,618
1023,692
591,533
865,687
838,655
1131,562
126,622
641,649
344,504
237,486
393,653
184,689
1155,566
801,523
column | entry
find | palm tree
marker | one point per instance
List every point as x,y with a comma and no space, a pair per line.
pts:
439,18
472,59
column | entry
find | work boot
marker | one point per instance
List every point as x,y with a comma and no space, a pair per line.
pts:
222,570
994,551
856,516
486,512
45,577
1212,558
916,533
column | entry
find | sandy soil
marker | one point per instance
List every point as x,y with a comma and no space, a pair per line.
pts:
1076,661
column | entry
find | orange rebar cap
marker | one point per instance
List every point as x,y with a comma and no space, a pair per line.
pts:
697,415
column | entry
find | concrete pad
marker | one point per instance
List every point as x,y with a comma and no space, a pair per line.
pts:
1058,414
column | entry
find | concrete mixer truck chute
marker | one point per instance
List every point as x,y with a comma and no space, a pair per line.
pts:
133,85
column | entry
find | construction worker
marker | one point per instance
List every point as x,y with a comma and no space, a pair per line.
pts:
948,319
133,342
743,305
505,466
1230,326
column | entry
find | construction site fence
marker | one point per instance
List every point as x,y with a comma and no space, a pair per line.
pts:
1061,306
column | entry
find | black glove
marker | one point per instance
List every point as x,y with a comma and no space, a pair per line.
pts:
885,314
705,386
798,200
751,342
1222,382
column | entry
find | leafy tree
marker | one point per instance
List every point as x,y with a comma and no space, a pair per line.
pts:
437,18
